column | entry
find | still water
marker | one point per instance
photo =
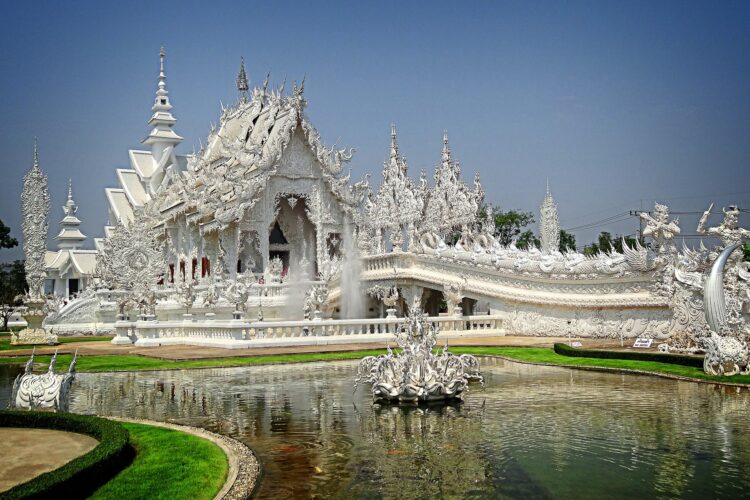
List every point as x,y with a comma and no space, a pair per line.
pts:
538,432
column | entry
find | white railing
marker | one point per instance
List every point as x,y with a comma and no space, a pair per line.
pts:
242,333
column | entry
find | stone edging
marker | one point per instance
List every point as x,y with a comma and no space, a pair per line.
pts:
629,371
244,468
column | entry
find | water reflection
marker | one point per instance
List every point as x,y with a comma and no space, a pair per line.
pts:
534,432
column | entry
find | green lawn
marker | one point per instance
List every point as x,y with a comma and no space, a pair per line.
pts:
531,354
132,362
5,342
170,465
548,356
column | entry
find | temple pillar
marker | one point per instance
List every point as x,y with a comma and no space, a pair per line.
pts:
263,244
230,244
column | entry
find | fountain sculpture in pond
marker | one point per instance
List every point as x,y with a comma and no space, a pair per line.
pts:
416,374
49,390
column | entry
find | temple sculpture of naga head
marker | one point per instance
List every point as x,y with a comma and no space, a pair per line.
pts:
262,236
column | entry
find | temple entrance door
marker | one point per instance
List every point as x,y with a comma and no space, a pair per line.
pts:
72,286
284,256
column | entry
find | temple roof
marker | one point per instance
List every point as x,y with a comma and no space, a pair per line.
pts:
226,177
81,262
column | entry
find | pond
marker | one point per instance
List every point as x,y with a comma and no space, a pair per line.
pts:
534,431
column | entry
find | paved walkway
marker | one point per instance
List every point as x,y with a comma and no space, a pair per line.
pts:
30,452
182,352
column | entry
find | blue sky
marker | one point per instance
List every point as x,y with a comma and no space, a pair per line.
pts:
617,103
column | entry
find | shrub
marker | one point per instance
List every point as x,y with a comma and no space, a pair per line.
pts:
675,359
82,476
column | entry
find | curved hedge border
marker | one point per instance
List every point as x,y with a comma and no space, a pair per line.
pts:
675,359
79,477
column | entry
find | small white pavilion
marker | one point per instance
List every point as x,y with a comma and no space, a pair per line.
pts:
70,269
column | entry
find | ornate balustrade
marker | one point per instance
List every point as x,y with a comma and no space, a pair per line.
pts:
243,333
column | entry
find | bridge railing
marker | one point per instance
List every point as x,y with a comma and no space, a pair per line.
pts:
152,332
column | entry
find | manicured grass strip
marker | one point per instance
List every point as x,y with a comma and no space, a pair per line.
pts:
169,464
81,476
531,354
133,362
548,356
675,359
6,346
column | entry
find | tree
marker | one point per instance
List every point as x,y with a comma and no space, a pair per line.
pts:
606,243
527,239
567,241
6,240
509,224
12,289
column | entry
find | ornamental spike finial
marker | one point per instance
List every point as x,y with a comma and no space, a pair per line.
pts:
36,153
446,148
265,82
394,143
242,83
70,189
161,59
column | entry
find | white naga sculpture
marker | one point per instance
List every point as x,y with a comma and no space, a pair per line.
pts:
47,391
726,352
416,374
35,210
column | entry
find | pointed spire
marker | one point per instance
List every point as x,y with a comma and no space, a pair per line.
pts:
36,154
161,135
549,224
394,143
446,148
242,83
70,235
162,76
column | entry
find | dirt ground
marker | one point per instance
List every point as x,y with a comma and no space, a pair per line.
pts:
30,452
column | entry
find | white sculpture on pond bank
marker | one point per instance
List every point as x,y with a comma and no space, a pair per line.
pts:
49,390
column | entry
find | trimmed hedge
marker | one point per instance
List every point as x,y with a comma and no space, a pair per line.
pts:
80,477
675,359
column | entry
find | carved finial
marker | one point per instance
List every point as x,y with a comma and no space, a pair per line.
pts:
394,143
36,154
446,147
547,186
161,59
70,207
242,82
265,82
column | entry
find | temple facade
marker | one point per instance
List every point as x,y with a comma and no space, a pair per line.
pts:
263,228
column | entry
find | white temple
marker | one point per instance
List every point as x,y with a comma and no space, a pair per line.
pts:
233,245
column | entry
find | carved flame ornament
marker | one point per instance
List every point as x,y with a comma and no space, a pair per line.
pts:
416,374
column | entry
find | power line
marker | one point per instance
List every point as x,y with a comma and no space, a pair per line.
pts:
607,220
